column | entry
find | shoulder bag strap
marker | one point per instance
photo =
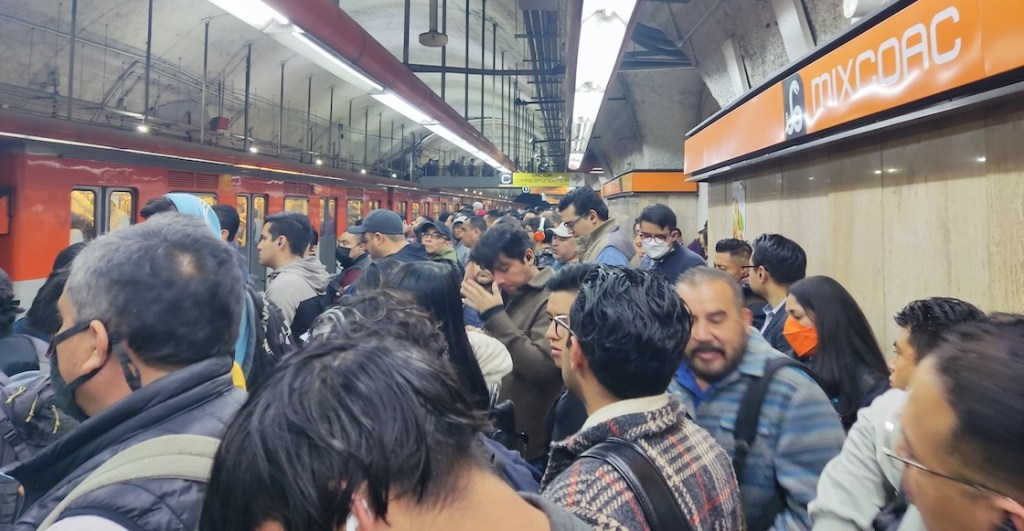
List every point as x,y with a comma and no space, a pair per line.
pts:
188,457
645,480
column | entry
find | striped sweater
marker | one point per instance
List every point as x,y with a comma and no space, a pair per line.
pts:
798,432
696,468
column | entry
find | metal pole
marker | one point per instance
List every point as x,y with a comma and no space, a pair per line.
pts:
405,36
380,125
483,59
392,136
309,115
503,102
465,94
348,148
330,128
202,97
248,75
149,64
280,113
444,49
494,59
71,59
366,133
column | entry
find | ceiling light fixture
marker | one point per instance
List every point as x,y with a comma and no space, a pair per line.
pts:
603,28
254,149
142,128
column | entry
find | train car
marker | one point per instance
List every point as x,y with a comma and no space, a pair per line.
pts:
61,185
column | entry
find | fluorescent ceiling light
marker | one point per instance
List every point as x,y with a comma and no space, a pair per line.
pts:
575,160
327,60
253,12
586,103
403,107
603,27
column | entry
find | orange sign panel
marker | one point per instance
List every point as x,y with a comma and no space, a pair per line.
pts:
926,48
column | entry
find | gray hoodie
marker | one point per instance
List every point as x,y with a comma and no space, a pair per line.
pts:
298,281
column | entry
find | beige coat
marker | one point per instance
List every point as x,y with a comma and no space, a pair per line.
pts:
535,381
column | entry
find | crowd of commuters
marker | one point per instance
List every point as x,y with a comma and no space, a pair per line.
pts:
492,370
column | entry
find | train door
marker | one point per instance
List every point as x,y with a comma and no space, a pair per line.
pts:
328,230
97,210
252,210
353,212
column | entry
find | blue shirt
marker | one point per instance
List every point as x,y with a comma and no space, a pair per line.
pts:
798,432
612,256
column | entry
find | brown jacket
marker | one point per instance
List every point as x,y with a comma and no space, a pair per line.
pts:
607,234
535,381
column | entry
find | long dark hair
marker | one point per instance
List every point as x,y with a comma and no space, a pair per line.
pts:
436,289
846,345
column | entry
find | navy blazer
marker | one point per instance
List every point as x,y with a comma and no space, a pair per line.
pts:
773,333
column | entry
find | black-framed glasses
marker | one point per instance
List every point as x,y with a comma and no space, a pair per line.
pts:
562,322
431,236
654,238
749,267
75,329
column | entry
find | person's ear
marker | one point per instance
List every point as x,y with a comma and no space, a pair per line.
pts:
748,316
1013,510
99,348
528,258
577,360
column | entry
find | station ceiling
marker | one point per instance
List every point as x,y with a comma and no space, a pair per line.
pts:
675,72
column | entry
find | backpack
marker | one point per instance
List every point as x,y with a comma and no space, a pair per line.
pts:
187,457
503,424
29,417
273,338
308,311
749,414
18,353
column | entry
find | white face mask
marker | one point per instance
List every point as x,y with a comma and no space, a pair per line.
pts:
655,250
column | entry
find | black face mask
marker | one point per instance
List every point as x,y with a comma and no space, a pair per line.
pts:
344,256
64,392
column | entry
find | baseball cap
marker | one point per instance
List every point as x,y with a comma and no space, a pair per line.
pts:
442,229
380,220
460,219
562,231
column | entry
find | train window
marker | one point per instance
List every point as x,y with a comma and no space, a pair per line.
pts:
243,217
259,213
402,207
374,205
83,216
354,212
206,197
120,209
436,210
5,211
297,204
415,210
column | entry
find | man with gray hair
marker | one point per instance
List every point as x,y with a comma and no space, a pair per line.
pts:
793,432
150,314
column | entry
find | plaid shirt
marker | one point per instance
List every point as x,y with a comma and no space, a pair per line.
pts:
696,468
798,432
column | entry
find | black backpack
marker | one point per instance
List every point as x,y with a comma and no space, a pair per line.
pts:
273,338
29,418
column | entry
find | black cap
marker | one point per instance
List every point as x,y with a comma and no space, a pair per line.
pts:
442,229
380,220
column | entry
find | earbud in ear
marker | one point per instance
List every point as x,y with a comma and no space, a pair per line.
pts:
280,244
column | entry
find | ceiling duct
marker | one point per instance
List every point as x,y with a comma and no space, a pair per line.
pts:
433,38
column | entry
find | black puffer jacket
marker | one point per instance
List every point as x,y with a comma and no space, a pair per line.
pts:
199,400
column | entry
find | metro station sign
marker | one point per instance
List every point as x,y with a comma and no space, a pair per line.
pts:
535,180
926,48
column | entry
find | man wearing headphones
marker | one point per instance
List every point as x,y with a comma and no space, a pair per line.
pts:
540,232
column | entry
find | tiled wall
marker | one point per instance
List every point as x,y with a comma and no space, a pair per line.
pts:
932,209
626,208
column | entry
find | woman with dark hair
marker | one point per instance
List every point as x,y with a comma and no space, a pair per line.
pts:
436,289
828,332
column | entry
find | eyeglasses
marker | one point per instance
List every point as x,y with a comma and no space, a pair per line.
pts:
749,267
890,426
431,236
653,238
562,322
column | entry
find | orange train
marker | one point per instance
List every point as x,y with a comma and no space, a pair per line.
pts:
62,182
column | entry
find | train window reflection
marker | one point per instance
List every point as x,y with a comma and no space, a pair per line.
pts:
297,204
83,216
354,212
415,210
259,213
243,218
121,210
403,207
